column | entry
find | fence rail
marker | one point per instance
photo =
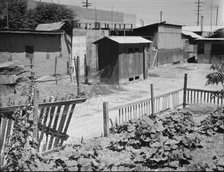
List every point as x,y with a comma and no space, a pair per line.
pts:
53,123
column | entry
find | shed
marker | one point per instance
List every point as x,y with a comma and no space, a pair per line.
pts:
40,47
210,50
123,58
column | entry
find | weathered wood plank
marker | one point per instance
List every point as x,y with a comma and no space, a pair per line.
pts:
45,117
42,105
61,123
2,133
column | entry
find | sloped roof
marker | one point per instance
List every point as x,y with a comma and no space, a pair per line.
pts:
191,34
157,24
50,26
210,39
205,28
127,39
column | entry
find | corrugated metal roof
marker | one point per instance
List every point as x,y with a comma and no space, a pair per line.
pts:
128,39
205,28
191,34
50,26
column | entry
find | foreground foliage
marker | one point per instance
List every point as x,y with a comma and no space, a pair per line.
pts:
165,143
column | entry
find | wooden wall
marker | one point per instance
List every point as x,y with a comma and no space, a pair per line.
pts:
108,60
131,64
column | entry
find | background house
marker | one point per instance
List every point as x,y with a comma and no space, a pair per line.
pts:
190,46
210,50
39,46
123,59
167,42
79,43
202,30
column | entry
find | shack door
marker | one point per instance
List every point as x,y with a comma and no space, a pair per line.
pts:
131,66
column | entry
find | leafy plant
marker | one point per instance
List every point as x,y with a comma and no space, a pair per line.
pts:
216,77
22,149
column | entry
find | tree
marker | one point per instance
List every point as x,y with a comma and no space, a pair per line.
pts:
20,17
49,13
16,12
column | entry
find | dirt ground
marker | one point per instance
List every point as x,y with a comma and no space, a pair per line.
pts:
87,119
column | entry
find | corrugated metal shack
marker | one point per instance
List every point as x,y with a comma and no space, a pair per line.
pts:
123,58
167,42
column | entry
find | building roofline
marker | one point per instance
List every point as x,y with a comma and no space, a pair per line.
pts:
59,32
210,39
161,23
126,40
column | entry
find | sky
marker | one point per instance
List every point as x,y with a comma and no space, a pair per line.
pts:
174,11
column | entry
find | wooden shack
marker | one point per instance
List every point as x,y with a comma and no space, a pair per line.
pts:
123,58
167,46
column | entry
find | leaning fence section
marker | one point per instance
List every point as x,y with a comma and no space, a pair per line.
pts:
54,120
122,114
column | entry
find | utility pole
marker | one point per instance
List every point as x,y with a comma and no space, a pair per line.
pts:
141,22
161,16
112,17
211,16
198,11
217,15
86,4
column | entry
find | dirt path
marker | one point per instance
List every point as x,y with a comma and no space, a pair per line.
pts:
87,120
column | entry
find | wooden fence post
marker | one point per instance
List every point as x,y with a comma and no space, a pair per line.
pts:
55,70
152,98
77,74
185,90
105,119
86,70
36,115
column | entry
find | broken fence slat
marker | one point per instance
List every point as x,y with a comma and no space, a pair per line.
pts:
61,124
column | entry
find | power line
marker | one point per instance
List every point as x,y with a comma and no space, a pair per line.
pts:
198,10
86,4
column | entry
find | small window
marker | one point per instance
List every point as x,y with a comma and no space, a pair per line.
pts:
136,50
130,50
131,79
200,48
